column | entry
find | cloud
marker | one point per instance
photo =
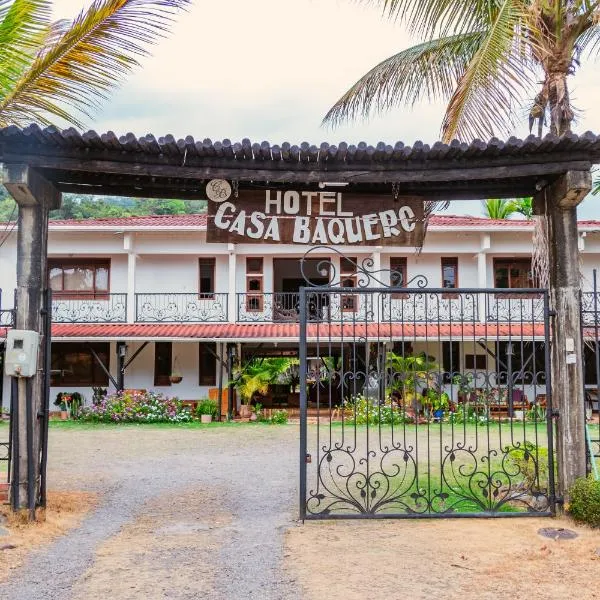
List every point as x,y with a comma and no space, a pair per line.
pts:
270,70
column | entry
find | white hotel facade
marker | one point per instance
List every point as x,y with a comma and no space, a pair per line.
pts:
156,282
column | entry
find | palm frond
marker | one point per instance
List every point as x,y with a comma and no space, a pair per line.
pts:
496,81
496,208
89,59
23,25
429,70
436,18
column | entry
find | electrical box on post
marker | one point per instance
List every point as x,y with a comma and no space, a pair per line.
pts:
21,355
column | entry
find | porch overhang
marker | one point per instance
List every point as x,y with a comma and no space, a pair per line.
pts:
165,167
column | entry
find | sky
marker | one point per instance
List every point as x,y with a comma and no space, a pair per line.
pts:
270,70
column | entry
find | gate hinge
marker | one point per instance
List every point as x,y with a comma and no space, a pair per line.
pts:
555,413
308,458
559,500
551,313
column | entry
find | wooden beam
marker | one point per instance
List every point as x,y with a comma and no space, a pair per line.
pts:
311,173
571,188
28,187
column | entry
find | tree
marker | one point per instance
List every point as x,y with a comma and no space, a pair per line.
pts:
495,208
64,69
486,59
524,206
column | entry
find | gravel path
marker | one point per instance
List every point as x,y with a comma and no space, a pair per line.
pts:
184,513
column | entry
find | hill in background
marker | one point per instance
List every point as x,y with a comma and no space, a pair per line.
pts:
79,206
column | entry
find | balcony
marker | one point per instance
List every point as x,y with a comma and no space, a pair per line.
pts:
590,309
410,306
181,308
90,308
280,307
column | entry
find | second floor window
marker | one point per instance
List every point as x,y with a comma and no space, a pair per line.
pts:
348,280
513,273
398,274
207,277
79,277
254,284
449,272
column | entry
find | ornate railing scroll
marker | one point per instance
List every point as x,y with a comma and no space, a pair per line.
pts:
181,308
89,308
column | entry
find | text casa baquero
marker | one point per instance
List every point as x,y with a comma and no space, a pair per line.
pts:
317,217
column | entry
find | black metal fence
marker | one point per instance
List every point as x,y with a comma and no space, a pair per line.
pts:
181,308
439,417
90,308
590,322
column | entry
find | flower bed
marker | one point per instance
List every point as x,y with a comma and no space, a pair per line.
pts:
137,407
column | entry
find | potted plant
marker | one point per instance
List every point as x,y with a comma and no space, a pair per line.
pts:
206,410
69,403
175,377
437,401
254,379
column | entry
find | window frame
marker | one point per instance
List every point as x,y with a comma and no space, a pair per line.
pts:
205,379
500,262
98,377
404,271
160,379
450,261
94,263
348,302
210,260
257,295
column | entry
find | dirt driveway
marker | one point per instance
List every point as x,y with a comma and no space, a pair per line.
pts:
210,513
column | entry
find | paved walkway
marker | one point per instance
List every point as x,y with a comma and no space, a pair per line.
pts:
184,513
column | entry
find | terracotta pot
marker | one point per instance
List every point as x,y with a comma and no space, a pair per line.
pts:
253,416
245,411
64,415
205,418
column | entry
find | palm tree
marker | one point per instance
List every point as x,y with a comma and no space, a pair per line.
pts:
486,59
524,206
495,208
50,69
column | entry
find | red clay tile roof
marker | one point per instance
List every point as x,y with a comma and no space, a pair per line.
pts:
200,221
290,331
142,221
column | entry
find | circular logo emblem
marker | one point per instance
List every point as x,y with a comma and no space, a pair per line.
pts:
218,190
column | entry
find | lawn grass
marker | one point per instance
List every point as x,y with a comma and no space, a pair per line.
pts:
83,425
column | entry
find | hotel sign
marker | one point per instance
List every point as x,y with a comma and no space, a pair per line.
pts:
312,217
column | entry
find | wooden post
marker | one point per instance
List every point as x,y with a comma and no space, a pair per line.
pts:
558,202
35,197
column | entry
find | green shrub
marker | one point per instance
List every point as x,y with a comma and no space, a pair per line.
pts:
532,462
206,407
584,505
137,407
279,417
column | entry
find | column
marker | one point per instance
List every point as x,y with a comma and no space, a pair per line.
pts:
558,202
35,197
485,244
128,245
232,300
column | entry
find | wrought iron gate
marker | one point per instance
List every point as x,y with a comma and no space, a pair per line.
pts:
590,327
422,402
